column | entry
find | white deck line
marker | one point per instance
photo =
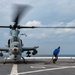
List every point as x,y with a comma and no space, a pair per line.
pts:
14,70
44,70
47,58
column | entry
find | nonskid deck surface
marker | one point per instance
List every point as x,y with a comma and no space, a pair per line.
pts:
38,67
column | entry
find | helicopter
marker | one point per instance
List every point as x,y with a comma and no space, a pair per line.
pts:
15,45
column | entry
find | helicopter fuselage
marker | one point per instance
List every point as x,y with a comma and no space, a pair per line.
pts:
15,45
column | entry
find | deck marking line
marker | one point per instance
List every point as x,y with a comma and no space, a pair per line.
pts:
14,70
43,70
37,67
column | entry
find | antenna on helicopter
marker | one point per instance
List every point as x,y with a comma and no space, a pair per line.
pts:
24,34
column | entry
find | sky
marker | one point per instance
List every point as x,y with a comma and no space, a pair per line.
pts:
43,13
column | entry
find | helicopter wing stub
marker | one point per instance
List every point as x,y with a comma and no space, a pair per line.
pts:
4,49
29,48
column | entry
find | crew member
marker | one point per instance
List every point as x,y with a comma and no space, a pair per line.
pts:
55,54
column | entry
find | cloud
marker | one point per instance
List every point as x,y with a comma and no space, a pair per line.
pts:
37,36
53,11
35,33
69,24
49,33
46,11
33,23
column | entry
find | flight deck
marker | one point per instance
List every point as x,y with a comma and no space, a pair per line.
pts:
39,66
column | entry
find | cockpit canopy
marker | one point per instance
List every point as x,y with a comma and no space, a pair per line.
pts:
15,39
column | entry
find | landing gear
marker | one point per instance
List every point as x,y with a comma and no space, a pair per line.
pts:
28,54
55,59
23,59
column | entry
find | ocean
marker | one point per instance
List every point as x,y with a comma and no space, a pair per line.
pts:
41,55
44,55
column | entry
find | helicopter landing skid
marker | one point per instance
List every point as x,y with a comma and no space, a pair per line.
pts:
24,59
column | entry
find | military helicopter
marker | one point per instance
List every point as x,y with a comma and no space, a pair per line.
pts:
15,46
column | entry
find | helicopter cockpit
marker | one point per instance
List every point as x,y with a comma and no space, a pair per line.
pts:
14,39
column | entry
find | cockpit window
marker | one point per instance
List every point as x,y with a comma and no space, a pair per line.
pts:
15,46
15,39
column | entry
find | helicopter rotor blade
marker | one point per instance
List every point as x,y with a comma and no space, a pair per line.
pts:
4,26
47,27
18,12
19,27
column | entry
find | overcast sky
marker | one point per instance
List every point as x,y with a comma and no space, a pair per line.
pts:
43,13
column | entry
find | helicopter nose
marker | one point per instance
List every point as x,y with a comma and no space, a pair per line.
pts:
15,49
